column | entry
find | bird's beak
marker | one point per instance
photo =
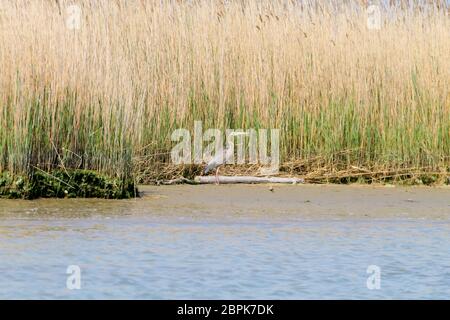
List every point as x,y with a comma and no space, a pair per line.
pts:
239,134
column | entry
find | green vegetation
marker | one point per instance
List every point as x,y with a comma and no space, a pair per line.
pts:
65,184
353,104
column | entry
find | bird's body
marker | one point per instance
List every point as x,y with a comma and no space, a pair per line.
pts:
221,157
218,160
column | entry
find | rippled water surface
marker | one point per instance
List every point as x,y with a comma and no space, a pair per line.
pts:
127,251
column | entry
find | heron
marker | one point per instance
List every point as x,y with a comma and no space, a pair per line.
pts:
221,156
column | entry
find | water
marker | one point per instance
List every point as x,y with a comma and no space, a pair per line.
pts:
129,250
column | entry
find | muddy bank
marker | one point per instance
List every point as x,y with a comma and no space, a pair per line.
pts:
240,202
301,200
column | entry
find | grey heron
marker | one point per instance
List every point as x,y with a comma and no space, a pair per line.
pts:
222,156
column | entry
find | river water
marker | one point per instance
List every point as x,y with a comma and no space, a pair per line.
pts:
224,242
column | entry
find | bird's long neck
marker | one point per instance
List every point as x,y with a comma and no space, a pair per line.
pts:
230,144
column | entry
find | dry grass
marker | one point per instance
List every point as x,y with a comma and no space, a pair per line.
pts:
115,90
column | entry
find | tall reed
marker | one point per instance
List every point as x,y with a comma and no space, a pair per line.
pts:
100,96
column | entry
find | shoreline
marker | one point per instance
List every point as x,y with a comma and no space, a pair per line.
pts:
99,186
303,200
240,203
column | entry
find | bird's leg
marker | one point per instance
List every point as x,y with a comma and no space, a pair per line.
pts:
217,175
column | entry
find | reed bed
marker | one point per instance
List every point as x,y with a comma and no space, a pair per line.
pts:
107,96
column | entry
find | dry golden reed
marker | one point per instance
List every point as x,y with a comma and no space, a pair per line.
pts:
113,90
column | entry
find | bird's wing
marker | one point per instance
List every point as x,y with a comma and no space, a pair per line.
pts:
210,166
214,162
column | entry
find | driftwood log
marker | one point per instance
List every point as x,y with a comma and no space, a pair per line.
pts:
246,179
181,180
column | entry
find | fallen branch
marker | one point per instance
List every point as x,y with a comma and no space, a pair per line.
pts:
246,179
177,181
